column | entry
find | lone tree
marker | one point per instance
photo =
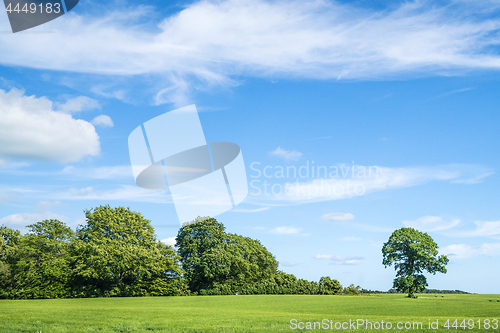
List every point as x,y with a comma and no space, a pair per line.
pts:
412,252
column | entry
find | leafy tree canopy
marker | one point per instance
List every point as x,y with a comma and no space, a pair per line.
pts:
212,257
412,252
119,255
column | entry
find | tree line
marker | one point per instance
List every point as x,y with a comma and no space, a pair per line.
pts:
116,253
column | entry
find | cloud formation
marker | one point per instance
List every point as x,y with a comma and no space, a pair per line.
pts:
78,104
483,229
285,230
364,180
169,241
340,260
30,129
431,223
23,219
103,121
288,155
337,217
464,251
212,42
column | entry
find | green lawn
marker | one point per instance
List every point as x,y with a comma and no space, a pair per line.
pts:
242,313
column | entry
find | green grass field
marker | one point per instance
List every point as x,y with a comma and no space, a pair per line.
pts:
244,313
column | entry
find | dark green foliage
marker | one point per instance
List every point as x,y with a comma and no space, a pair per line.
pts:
329,286
412,252
36,265
215,260
43,266
9,240
116,253
119,255
353,290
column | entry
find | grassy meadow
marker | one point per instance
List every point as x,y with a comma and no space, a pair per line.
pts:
262,313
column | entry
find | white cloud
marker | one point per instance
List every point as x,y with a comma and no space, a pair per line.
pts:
103,120
81,191
289,155
77,104
169,241
30,129
323,256
431,223
288,263
209,41
125,193
256,210
24,219
285,230
483,229
464,251
106,172
381,178
340,260
337,217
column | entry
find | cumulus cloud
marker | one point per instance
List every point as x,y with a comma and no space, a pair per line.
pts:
431,223
337,217
285,230
77,104
31,129
169,241
103,120
464,251
288,155
211,41
340,260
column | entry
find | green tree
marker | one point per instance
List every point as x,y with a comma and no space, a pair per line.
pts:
213,259
412,252
9,240
329,286
43,267
119,255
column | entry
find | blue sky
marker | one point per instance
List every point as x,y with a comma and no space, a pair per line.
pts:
408,88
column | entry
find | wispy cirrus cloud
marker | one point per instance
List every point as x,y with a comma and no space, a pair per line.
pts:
431,223
288,155
24,219
379,179
483,229
337,217
105,172
464,251
123,192
77,104
211,43
285,230
340,260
